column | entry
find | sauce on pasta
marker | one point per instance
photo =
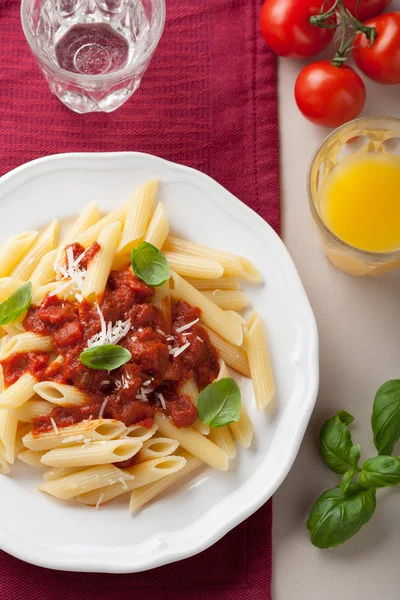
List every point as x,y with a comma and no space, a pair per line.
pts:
147,382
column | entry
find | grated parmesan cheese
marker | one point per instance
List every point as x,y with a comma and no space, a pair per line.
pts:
100,500
178,351
54,425
161,332
162,400
72,270
102,409
109,333
72,438
199,338
187,326
123,483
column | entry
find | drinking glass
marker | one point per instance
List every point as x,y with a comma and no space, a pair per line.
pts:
93,53
366,134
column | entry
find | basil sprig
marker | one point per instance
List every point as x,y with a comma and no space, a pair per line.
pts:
16,304
340,512
219,403
337,449
337,516
105,358
386,416
150,265
380,471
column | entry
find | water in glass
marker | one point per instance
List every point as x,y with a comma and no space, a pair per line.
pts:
93,53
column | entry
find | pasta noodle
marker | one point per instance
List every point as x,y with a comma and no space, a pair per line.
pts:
83,481
59,472
259,360
162,299
89,216
8,433
87,237
194,442
19,392
227,299
31,458
222,283
14,250
158,229
43,244
60,393
141,474
234,356
94,453
45,271
157,447
99,267
32,409
26,342
97,430
143,495
139,432
193,266
227,325
189,388
137,217
232,264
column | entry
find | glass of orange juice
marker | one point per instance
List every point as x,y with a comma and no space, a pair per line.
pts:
354,194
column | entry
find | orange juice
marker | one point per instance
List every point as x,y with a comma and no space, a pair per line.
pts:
360,201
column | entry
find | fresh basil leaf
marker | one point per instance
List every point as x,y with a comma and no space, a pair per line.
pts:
386,417
336,446
105,358
219,403
16,304
346,480
336,517
149,264
380,471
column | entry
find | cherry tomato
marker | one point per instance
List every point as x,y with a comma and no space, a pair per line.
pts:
328,95
366,9
286,27
381,61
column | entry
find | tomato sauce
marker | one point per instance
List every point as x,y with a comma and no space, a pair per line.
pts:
133,391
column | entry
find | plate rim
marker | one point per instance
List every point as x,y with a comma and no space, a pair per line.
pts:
43,555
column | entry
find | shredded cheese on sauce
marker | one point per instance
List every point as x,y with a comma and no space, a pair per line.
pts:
72,271
187,326
162,400
102,409
109,333
54,425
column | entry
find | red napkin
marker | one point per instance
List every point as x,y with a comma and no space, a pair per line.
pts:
208,100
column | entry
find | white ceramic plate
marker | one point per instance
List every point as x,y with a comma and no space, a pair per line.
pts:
195,514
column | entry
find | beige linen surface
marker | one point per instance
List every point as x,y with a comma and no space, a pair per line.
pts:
359,329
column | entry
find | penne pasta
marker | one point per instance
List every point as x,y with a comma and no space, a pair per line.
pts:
242,429
260,362
60,393
157,447
162,300
97,430
28,412
222,438
231,263
94,453
43,244
59,472
14,249
87,237
99,267
84,481
137,217
14,328
88,217
143,495
222,283
141,474
158,228
193,266
139,432
45,271
9,285
193,442
8,433
26,342
31,458
4,465
65,290
22,431
226,324
227,299
19,392
234,356
189,388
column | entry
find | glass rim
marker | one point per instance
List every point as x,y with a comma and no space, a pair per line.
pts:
366,254
83,77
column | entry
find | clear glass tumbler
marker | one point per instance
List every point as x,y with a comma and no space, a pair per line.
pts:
93,53
366,134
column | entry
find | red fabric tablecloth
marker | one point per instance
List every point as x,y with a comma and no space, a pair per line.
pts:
208,100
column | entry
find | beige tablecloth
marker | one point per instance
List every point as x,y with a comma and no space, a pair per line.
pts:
359,328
